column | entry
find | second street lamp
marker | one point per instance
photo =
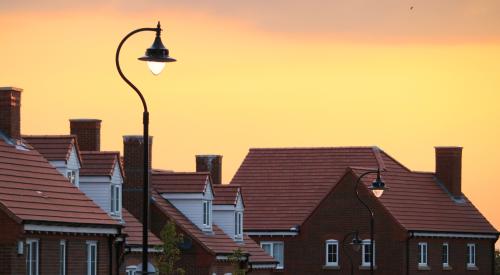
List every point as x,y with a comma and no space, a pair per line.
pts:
378,188
156,56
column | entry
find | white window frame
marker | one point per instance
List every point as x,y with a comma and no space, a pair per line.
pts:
281,264
365,244
92,245
471,255
62,257
30,258
423,254
329,243
130,270
238,226
71,176
445,258
116,199
207,213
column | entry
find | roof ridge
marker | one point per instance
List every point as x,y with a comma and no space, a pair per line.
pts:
312,148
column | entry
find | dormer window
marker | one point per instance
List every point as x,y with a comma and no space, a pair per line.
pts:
115,200
207,213
71,175
238,224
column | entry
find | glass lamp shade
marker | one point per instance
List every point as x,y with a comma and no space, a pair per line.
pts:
156,67
378,186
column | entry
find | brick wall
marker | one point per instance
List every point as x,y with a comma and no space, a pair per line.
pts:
10,111
339,214
88,133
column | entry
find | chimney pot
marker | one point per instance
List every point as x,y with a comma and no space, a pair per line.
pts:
449,169
211,164
87,132
10,111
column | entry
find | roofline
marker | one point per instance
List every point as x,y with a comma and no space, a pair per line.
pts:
71,229
11,88
73,137
454,234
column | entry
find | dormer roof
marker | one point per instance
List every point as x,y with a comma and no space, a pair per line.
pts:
180,182
227,194
99,163
54,147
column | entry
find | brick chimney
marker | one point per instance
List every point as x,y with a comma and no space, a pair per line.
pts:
211,164
133,167
449,169
87,132
10,111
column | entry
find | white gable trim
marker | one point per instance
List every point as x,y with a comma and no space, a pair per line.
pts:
271,233
173,196
70,229
455,235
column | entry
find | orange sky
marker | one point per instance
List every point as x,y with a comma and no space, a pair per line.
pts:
248,79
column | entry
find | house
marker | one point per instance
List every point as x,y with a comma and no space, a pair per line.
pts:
187,199
48,225
98,174
301,208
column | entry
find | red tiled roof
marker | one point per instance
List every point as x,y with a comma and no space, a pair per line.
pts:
216,243
283,186
419,203
257,254
32,190
226,194
179,182
53,147
133,229
99,163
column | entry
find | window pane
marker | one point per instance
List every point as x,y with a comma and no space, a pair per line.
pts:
278,253
267,248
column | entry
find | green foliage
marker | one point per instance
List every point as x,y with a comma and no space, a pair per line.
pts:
167,259
235,260
497,262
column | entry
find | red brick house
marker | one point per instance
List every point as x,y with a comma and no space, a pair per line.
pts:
48,226
187,199
301,203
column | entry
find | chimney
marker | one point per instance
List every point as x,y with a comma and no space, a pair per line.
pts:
133,166
449,169
87,132
10,111
211,164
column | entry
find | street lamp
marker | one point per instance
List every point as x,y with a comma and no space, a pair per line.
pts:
356,244
378,188
156,56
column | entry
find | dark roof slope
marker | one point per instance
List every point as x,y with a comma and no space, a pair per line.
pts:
283,186
32,190
179,182
99,163
53,147
216,243
133,229
226,194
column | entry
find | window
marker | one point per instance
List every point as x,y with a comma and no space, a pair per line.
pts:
62,257
32,257
275,249
422,254
131,269
207,210
445,258
115,199
471,255
367,253
238,228
71,175
91,258
332,253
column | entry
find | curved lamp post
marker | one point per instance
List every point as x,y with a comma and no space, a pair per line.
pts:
356,244
156,57
378,188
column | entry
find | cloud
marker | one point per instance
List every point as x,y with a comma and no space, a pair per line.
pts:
365,19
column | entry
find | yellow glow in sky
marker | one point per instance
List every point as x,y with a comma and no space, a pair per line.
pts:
237,86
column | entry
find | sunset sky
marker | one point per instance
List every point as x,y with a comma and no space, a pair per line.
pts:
405,75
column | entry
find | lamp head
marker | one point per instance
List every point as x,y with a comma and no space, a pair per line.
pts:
378,186
356,242
157,55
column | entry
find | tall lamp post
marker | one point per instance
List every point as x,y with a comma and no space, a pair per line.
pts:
156,57
356,244
378,188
